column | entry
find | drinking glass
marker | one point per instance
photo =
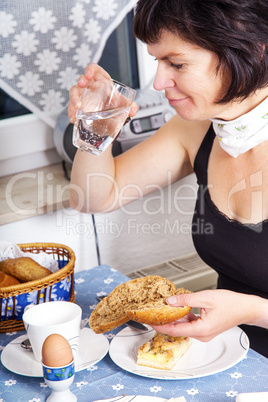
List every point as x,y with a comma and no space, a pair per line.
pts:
104,110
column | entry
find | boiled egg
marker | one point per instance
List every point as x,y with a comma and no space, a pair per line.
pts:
56,351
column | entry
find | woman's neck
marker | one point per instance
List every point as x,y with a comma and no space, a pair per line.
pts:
237,109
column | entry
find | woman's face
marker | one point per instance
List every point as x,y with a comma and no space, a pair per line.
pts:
187,74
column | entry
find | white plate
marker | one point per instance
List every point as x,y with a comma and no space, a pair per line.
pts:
135,398
201,359
92,348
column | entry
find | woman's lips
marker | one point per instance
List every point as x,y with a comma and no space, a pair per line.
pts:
174,102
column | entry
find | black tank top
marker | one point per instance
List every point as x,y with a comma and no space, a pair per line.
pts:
238,252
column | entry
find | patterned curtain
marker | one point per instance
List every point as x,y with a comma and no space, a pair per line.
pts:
45,46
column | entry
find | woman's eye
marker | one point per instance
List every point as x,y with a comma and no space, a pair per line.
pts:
177,66
174,65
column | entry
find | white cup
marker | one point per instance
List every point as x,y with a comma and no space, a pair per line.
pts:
58,317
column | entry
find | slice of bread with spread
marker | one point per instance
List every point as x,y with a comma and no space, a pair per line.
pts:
163,351
142,299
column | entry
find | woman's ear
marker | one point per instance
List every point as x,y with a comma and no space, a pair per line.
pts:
262,50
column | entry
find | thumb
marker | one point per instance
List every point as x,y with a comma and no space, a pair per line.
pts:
198,299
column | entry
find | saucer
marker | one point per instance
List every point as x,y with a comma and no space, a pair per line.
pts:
92,348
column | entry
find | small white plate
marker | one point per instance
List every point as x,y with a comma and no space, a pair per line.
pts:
135,398
201,359
92,348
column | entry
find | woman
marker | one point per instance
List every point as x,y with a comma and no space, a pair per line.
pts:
213,66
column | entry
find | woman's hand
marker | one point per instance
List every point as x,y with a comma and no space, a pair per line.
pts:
220,310
92,73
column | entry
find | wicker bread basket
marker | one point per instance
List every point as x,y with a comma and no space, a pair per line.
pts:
56,286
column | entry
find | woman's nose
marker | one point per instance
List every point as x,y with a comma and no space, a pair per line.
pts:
162,79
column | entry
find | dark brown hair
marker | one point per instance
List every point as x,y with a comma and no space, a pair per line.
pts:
236,30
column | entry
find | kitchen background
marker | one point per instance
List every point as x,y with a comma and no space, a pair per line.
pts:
34,185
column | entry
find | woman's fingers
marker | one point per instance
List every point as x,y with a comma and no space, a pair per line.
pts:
133,110
75,101
75,93
82,81
93,69
220,310
191,326
204,298
93,73
195,328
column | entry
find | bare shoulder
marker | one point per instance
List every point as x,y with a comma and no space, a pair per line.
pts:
189,134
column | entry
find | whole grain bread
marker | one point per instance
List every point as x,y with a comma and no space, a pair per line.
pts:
142,299
24,269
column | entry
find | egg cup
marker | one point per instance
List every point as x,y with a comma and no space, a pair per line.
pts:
59,379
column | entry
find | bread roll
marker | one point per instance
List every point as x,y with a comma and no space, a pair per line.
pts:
7,280
159,312
24,269
142,299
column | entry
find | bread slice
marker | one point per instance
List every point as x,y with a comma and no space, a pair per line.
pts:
163,351
142,299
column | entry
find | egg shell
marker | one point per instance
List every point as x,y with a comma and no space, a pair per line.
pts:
56,351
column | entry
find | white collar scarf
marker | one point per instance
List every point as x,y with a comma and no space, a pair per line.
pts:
244,133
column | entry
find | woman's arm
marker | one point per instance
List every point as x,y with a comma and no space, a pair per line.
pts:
103,183
220,310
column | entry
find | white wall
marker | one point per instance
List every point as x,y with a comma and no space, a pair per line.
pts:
55,228
26,143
